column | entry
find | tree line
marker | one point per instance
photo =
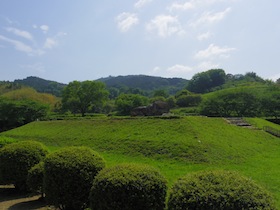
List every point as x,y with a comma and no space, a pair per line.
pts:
210,93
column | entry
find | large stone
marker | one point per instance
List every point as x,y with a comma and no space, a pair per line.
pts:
155,109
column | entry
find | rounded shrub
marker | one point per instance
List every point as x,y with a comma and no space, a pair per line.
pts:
128,186
35,178
17,159
69,174
218,190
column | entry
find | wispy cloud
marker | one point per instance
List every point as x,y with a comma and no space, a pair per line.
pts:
214,51
21,33
204,36
210,17
193,4
183,6
179,69
44,28
141,3
165,25
50,43
22,47
126,20
206,65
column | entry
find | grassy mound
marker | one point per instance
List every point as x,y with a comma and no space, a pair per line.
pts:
175,146
192,139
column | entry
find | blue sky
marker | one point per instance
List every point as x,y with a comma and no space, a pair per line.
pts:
66,40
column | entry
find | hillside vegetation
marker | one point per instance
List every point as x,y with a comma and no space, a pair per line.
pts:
175,146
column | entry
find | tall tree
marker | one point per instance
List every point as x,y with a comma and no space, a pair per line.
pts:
203,82
79,97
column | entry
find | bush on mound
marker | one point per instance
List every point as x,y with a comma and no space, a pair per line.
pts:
218,190
16,159
127,187
69,174
35,178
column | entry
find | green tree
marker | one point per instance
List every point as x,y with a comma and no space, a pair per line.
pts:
231,104
80,97
126,102
161,93
203,82
17,113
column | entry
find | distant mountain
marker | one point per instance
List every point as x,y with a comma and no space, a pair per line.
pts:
42,85
146,83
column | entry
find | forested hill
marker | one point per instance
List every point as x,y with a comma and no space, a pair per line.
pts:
146,83
42,85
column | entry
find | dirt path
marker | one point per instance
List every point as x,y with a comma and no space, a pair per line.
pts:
11,200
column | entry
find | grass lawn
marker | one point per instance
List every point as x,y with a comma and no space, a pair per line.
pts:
175,146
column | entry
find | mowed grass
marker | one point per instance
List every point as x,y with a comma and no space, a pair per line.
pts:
175,146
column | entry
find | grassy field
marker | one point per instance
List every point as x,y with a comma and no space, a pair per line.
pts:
175,146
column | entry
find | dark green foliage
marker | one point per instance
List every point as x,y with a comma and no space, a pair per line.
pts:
126,102
69,173
35,178
127,187
188,100
147,84
42,85
17,113
203,82
214,190
80,97
6,140
160,93
231,104
17,159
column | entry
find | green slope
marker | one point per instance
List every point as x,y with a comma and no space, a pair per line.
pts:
176,146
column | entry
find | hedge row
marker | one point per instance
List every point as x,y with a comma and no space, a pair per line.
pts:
76,178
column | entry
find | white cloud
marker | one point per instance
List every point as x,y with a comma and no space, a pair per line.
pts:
204,36
206,65
19,46
44,28
50,43
210,17
192,4
21,33
179,69
214,51
142,3
126,21
165,25
183,6
156,70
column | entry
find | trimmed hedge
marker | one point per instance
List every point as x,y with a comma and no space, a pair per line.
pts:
16,159
35,178
69,174
127,187
218,190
